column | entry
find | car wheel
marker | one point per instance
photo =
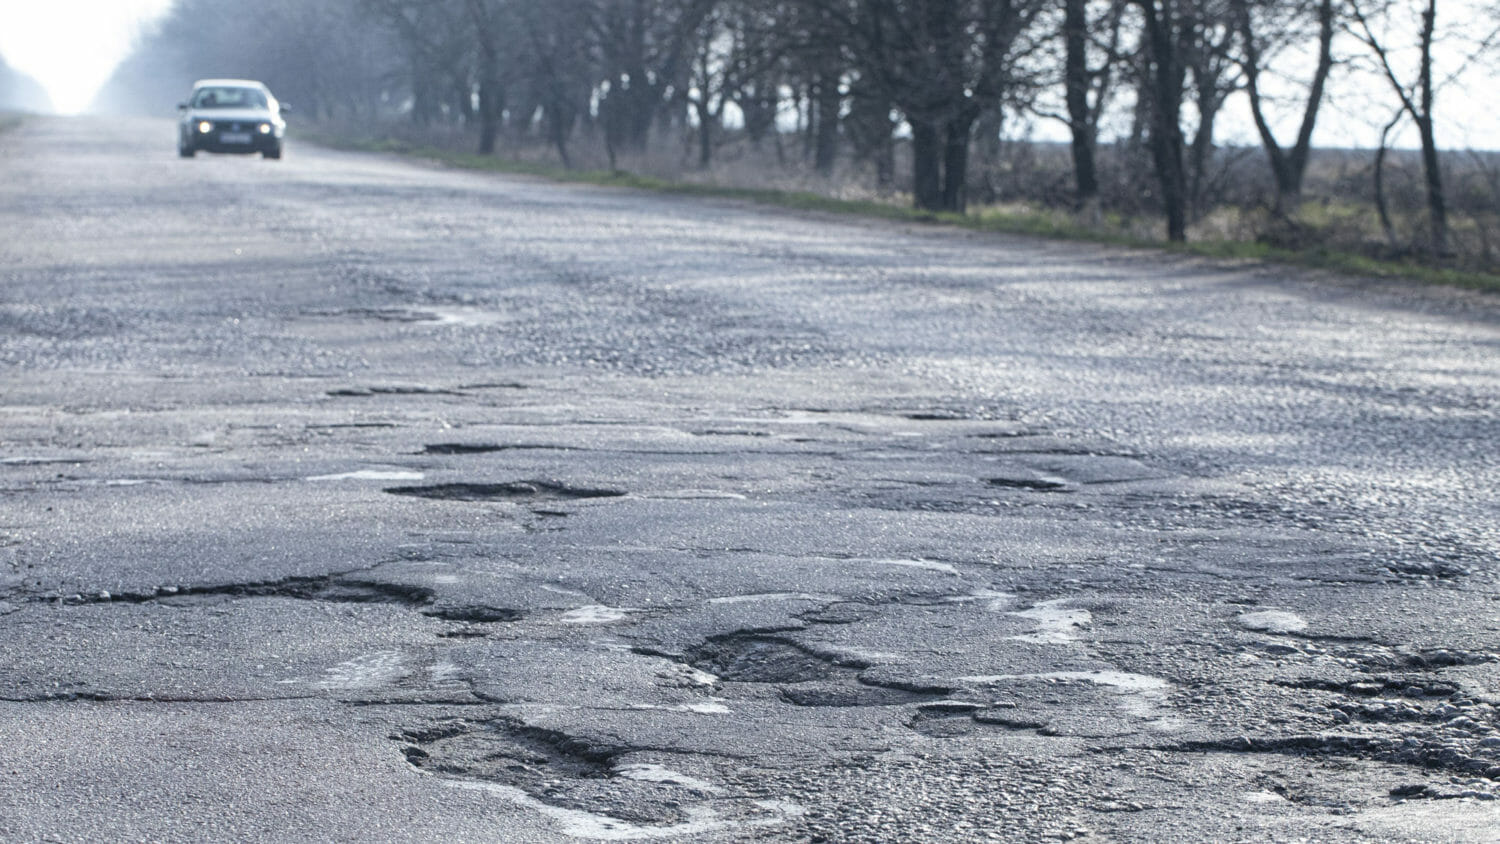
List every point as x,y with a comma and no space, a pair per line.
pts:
186,152
273,152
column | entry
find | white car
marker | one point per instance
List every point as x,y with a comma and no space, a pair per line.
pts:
230,115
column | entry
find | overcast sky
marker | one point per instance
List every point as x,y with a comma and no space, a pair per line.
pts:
71,46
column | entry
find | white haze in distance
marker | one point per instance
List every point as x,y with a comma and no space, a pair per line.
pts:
72,46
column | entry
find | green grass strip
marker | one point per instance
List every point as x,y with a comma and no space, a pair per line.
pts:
1035,224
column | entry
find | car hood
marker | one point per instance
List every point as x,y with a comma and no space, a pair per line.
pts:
242,115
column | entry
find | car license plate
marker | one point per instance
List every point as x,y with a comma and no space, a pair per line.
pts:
234,137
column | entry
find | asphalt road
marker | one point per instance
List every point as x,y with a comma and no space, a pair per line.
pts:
347,498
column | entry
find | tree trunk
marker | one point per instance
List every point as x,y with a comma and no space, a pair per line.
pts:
1165,83
956,163
885,167
926,166
1437,206
984,156
640,113
422,105
560,122
759,109
705,133
1166,154
609,115
871,132
1201,155
826,142
1381,206
489,114
490,103
1080,118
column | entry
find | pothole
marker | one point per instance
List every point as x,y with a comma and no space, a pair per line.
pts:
551,767
507,491
462,448
327,588
1446,658
333,589
489,448
849,695
475,614
1029,484
505,750
806,677
1414,686
397,390
1429,752
381,314
946,718
1410,719
752,658
936,416
1427,570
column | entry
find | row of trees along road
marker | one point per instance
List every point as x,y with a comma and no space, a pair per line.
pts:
857,78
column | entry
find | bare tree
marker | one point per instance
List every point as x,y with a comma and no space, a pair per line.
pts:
644,47
484,15
1287,166
436,41
1087,87
942,63
1163,81
1206,50
720,56
1417,96
1382,207
560,70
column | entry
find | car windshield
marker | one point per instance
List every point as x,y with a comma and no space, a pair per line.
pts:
229,98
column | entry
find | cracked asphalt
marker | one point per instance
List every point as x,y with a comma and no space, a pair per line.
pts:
350,498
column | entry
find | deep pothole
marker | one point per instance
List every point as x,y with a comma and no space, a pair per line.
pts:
333,589
804,676
505,750
550,766
1412,719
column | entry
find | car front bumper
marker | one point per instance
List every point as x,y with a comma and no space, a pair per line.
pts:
234,137
261,143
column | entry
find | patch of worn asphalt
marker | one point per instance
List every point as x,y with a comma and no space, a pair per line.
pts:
346,498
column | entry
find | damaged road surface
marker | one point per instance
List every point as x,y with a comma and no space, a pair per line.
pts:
357,499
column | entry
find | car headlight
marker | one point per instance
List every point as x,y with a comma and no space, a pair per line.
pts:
205,127
265,128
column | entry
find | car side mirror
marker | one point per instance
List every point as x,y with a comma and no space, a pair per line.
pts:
182,106
286,108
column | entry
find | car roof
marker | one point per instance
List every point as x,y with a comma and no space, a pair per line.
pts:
229,83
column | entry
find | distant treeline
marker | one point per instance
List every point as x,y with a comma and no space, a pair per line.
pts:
914,92
19,92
